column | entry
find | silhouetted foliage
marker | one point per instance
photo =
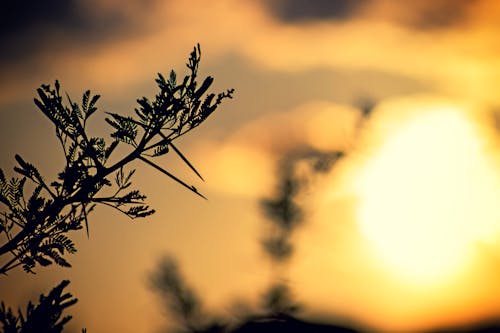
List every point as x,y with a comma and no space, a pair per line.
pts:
34,228
44,317
180,300
186,309
285,214
277,307
278,300
283,211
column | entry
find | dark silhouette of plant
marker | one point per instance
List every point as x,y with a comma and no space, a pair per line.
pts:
278,306
45,317
34,228
180,300
285,215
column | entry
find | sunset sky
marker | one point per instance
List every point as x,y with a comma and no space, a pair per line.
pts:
402,234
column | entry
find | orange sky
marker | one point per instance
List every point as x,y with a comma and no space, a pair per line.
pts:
401,234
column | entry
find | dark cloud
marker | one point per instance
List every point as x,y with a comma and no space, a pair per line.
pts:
415,14
27,26
30,28
438,14
297,11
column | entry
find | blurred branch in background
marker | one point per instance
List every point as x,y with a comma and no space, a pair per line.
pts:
180,300
283,214
277,310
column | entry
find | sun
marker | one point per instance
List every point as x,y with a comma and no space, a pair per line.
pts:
426,196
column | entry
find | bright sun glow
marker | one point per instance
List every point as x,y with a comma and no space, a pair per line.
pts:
427,196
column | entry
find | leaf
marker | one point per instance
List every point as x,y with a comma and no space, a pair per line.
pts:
58,259
131,197
85,100
126,128
140,211
75,113
27,169
91,109
126,182
161,150
110,149
204,87
43,261
172,79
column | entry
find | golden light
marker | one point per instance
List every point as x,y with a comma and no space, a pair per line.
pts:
237,169
428,195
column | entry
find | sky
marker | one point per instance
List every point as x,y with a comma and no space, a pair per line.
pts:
401,234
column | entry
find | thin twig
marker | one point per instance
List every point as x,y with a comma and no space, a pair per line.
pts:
189,187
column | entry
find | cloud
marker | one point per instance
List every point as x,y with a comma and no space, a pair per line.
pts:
420,15
34,29
430,15
456,61
383,36
298,11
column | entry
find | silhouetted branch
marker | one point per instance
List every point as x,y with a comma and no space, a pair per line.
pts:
45,317
33,228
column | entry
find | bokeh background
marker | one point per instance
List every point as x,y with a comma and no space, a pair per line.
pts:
403,232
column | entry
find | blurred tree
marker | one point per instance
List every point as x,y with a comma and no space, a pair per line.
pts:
181,301
34,228
285,214
277,308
